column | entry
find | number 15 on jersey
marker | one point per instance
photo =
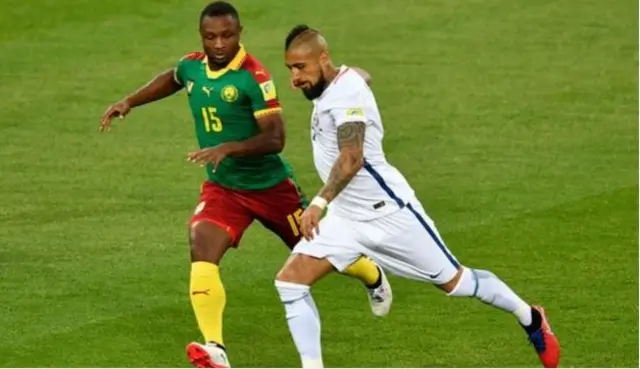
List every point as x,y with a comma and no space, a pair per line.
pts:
212,122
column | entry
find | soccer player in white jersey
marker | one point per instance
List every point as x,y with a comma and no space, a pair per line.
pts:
372,210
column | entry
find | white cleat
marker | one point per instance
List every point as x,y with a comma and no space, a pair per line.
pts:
207,356
380,298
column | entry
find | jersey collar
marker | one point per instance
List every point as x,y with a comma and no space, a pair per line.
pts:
234,64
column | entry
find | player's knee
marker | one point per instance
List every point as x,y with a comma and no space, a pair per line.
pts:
288,273
290,292
292,270
464,284
208,242
197,236
304,269
289,282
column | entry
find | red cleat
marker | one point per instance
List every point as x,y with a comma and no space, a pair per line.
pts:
545,342
207,356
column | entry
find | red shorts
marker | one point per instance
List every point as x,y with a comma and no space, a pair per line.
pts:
278,208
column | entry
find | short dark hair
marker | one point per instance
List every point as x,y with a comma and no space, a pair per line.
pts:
220,8
295,32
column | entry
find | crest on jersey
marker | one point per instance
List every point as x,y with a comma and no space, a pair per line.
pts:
268,90
189,87
229,93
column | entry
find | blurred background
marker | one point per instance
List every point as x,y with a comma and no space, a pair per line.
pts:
516,122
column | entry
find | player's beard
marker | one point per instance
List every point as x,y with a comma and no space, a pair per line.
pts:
316,89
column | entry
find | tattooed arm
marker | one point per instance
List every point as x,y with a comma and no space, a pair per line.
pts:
349,162
351,159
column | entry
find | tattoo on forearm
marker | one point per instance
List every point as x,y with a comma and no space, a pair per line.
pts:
350,143
339,178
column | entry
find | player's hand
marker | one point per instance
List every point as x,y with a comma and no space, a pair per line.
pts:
119,109
213,155
309,222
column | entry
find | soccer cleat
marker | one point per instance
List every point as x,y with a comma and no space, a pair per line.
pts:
545,342
207,356
380,298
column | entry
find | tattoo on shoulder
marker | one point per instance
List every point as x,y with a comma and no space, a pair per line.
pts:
351,134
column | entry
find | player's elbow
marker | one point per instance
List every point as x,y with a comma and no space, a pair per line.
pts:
351,161
273,134
277,140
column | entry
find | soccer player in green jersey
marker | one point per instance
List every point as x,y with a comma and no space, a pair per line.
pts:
240,132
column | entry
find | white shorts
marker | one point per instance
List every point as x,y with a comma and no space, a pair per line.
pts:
405,243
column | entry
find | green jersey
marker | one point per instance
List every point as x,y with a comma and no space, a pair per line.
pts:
225,105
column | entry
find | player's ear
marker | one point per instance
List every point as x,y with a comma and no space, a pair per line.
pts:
324,59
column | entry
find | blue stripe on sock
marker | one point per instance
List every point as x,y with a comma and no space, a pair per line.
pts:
475,279
402,204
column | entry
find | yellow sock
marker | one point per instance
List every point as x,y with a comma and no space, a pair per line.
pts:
365,270
208,299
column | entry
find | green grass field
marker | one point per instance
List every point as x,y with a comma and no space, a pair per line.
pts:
516,122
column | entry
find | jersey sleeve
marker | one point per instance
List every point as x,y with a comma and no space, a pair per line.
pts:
351,107
263,95
350,102
179,71
348,113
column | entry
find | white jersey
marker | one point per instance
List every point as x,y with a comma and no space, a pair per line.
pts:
378,189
